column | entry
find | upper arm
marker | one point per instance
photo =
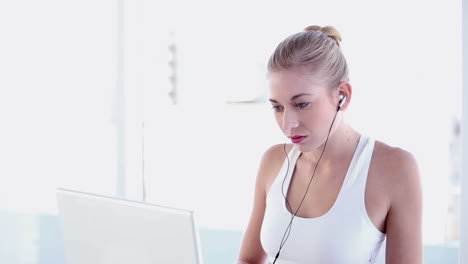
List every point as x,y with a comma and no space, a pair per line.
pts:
404,218
251,250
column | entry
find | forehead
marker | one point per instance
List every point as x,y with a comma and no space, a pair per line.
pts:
287,83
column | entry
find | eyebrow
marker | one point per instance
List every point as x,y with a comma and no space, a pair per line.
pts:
292,98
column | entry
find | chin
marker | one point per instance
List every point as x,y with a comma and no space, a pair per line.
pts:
306,147
303,148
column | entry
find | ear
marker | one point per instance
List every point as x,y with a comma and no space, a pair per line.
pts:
344,89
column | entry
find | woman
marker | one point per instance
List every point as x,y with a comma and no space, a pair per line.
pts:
333,195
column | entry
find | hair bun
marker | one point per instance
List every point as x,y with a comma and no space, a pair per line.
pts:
330,31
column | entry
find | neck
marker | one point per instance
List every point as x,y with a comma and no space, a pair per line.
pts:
341,142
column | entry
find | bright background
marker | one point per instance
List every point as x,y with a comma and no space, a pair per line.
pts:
97,95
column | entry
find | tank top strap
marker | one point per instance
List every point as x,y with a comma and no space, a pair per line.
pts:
290,165
359,166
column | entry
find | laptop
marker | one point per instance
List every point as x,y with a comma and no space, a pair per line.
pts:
105,230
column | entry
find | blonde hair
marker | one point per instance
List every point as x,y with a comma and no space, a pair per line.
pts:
317,50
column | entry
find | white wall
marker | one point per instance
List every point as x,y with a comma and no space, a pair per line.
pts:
57,84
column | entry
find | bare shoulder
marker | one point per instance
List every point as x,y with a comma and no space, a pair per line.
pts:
393,160
397,167
271,163
277,153
400,180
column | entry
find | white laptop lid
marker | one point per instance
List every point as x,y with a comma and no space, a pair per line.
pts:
105,230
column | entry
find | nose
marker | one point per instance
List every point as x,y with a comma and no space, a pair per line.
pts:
289,121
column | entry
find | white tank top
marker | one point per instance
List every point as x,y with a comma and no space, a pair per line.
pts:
343,235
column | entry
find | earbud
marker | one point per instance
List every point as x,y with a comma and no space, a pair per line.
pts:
341,102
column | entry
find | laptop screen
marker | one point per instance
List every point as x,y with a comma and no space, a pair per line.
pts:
105,230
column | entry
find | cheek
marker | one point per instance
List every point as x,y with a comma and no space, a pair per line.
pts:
324,119
316,119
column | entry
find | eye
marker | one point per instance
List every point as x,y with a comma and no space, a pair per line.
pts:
277,108
302,105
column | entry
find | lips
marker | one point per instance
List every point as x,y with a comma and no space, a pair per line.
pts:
297,139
